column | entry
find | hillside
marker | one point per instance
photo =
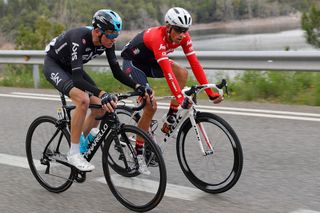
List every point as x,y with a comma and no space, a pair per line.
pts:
25,20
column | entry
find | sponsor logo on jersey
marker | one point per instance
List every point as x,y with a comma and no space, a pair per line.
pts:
128,71
74,51
89,56
162,47
61,47
55,78
136,51
88,49
189,42
100,49
170,50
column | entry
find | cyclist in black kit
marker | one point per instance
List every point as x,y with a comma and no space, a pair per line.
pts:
63,68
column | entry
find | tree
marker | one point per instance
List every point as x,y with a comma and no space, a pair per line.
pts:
36,38
310,23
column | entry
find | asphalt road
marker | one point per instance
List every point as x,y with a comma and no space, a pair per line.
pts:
281,170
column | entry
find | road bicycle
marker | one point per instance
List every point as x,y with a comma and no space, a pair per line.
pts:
48,142
208,149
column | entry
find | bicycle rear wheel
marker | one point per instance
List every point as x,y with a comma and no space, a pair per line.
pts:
137,192
45,145
217,171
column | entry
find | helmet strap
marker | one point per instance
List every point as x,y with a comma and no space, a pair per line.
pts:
169,32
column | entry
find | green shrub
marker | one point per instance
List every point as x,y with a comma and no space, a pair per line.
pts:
267,86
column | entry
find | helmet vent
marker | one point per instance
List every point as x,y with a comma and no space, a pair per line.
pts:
186,19
181,20
177,11
112,13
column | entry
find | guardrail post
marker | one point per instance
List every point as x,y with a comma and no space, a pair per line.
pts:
36,76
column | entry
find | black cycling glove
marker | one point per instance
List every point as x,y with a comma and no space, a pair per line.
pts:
107,98
143,89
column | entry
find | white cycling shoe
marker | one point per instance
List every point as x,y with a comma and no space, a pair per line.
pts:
78,161
143,169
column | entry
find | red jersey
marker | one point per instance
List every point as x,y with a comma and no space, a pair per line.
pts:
153,45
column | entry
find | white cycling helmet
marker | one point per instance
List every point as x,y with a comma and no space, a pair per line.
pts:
179,17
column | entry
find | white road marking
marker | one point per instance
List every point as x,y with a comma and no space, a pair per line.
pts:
214,109
22,162
174,191
264,115
35,94
30,97
304,211
12,160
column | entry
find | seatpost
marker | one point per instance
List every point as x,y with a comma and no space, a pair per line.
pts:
63,99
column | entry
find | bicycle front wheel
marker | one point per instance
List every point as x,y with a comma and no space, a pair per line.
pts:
217,167
136,191
46,145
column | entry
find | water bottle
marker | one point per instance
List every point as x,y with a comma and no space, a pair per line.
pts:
92,134
84,142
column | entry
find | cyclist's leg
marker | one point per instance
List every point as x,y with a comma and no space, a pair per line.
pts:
140,76
62,81
90,121
181,74
81,101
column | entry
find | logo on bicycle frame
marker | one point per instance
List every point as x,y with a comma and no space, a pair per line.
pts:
98,137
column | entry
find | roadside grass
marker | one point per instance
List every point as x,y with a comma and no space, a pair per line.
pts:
267,86
278,86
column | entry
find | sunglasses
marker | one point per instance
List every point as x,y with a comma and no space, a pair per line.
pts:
112,35
180,29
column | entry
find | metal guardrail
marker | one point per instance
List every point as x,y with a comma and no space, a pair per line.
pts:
217,60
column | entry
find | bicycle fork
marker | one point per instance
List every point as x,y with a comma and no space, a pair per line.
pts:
196,127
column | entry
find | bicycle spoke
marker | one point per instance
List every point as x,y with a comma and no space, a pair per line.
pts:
136,191
45,143
217,171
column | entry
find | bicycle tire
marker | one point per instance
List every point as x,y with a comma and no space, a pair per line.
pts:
40,159
190,161
143,192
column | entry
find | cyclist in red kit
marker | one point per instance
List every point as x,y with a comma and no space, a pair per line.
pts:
146,55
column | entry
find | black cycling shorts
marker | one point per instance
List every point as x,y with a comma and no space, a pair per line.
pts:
140,71
60,77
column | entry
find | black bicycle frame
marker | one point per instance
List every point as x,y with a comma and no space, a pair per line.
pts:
107,126
109,123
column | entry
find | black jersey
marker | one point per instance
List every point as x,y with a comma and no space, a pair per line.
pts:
74,48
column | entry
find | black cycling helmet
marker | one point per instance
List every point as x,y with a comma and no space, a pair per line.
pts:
107,20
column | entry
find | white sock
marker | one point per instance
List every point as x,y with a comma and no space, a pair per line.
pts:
74,149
